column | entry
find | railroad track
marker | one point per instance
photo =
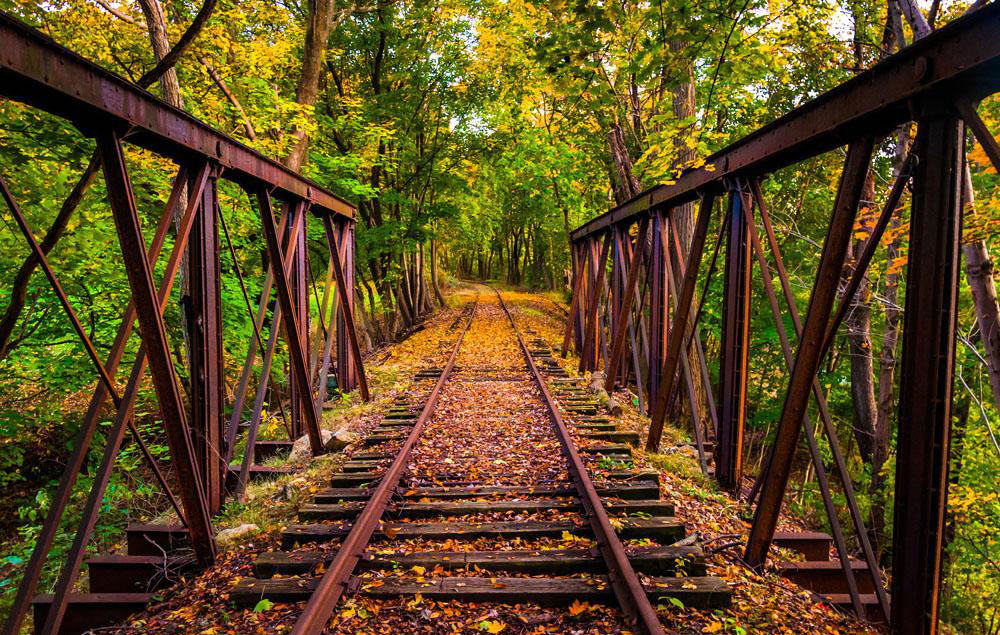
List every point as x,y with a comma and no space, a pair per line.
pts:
543,505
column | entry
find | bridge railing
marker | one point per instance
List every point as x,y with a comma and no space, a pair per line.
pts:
638,317
38,72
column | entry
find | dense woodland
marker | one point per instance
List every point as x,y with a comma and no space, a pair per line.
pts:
473,135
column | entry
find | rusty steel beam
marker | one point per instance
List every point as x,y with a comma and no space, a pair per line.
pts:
735,343
840,463
927,367
671,276
37,71
257,322
91,508
296,348
43,542
588,360
961,59
204,325
324,371
579,268
807,359
817,459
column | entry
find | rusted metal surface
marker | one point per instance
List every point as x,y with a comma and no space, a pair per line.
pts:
961,58
588,359
332,585
155,343
578,274
628,589
927,367
29,583
37,71
735,342
618,336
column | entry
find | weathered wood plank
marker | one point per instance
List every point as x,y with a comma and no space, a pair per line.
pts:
666,530
336,511
650,560
700,592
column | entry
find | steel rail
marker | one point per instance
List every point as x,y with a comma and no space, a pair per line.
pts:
332,585
628,589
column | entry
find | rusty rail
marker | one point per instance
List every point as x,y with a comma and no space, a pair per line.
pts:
628,589
331,587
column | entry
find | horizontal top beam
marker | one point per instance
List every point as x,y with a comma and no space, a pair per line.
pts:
37,71
960,60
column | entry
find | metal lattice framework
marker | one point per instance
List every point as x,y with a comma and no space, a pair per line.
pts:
648,333
36,71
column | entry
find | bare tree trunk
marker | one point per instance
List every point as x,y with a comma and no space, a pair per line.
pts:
156,22
979,265
859,339
979,274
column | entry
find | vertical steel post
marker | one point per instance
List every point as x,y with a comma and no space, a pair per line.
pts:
807,359
299,289
588,361
576,257
205,335
735,342
927,369
658,322
347,368
343,287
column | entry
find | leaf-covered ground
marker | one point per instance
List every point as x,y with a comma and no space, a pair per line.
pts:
490,427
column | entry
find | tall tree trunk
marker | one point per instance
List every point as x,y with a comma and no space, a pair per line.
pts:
317,33
627,184
434,277
859,339
156,23
979,274
979,265
887,360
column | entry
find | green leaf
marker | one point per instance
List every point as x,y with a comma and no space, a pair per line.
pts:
263,605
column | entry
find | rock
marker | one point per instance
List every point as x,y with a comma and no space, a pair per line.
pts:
614,408
333,441
596,382
234,534
340,440
601,395
302,451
